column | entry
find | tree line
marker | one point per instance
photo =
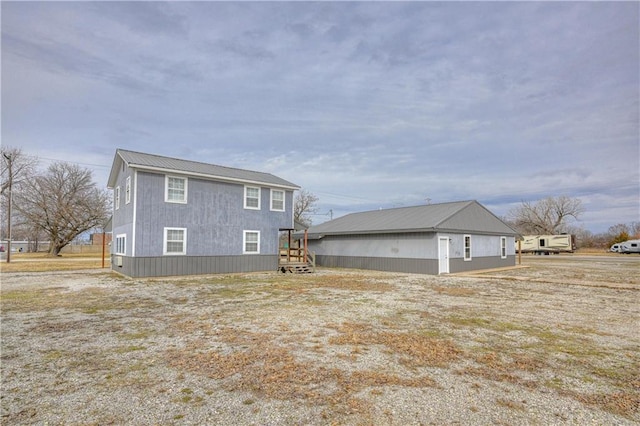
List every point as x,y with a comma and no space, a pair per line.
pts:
557,215
55,205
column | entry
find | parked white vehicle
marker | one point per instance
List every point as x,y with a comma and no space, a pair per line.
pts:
546,244
616,248
631,246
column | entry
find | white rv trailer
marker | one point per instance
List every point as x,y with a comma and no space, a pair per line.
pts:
547,244
631,246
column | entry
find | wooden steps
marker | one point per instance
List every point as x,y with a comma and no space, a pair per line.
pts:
296,268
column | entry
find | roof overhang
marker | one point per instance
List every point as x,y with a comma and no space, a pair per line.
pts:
118,161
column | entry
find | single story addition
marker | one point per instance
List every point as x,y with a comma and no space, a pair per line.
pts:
428,239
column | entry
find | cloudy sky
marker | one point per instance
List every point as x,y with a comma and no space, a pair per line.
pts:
366,105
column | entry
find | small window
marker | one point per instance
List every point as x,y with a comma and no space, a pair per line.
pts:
251,242
127,191
277,200
503,247
542,242
121,244
175,241
175,190
467,247
116,197
251,197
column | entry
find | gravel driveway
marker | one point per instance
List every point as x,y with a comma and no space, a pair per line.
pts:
555,342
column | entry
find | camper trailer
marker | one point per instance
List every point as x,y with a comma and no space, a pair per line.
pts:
631,246
547,244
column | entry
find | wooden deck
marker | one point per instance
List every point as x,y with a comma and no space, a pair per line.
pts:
296,261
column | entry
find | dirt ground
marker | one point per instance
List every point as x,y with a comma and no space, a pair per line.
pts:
553,342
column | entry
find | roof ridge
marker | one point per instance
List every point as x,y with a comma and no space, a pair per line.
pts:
193,161
411,207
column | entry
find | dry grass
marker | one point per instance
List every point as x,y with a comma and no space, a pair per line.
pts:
256,363
42,262
342,342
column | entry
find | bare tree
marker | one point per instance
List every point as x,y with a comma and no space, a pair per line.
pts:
22,167
304,206
14,168
548,216
64,202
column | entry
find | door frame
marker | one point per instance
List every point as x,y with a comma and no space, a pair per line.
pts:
443,256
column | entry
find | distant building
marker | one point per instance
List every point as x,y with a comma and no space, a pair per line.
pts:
96,239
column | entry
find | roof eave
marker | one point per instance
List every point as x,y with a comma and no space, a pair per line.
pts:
209,176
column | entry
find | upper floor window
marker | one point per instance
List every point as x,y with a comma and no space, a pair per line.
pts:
467,247
251,242
127,191
175,241
175,189
251,197
116,195
277,200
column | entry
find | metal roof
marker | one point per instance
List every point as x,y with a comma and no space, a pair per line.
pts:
152,162
460,216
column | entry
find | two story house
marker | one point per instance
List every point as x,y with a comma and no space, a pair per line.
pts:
179,217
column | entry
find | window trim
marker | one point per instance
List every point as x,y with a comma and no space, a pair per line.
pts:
464,244
127,190
165,242
247,187
244,241
503,247
166,189
118,245
273,191
116,197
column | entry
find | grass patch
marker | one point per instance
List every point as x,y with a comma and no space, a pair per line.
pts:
417,349
254,363
455,291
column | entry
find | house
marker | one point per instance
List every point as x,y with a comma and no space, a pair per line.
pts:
429,239
179,217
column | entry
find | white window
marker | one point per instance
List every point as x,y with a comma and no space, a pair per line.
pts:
175,189
251,242
121,244
467,247
175,241
277,200
503,247
127,191
251,197
117,197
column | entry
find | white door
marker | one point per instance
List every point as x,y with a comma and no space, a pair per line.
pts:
443,255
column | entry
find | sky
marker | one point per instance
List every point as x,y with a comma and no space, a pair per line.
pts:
366,105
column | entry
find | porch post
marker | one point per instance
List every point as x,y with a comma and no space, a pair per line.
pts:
306,253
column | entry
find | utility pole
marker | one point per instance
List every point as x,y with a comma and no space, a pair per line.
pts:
9,163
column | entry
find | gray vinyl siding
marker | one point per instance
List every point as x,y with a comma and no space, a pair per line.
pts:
194,265
411,252
401,246
123,216
214,217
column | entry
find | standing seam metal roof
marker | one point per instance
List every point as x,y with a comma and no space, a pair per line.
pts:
175,165
432,217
